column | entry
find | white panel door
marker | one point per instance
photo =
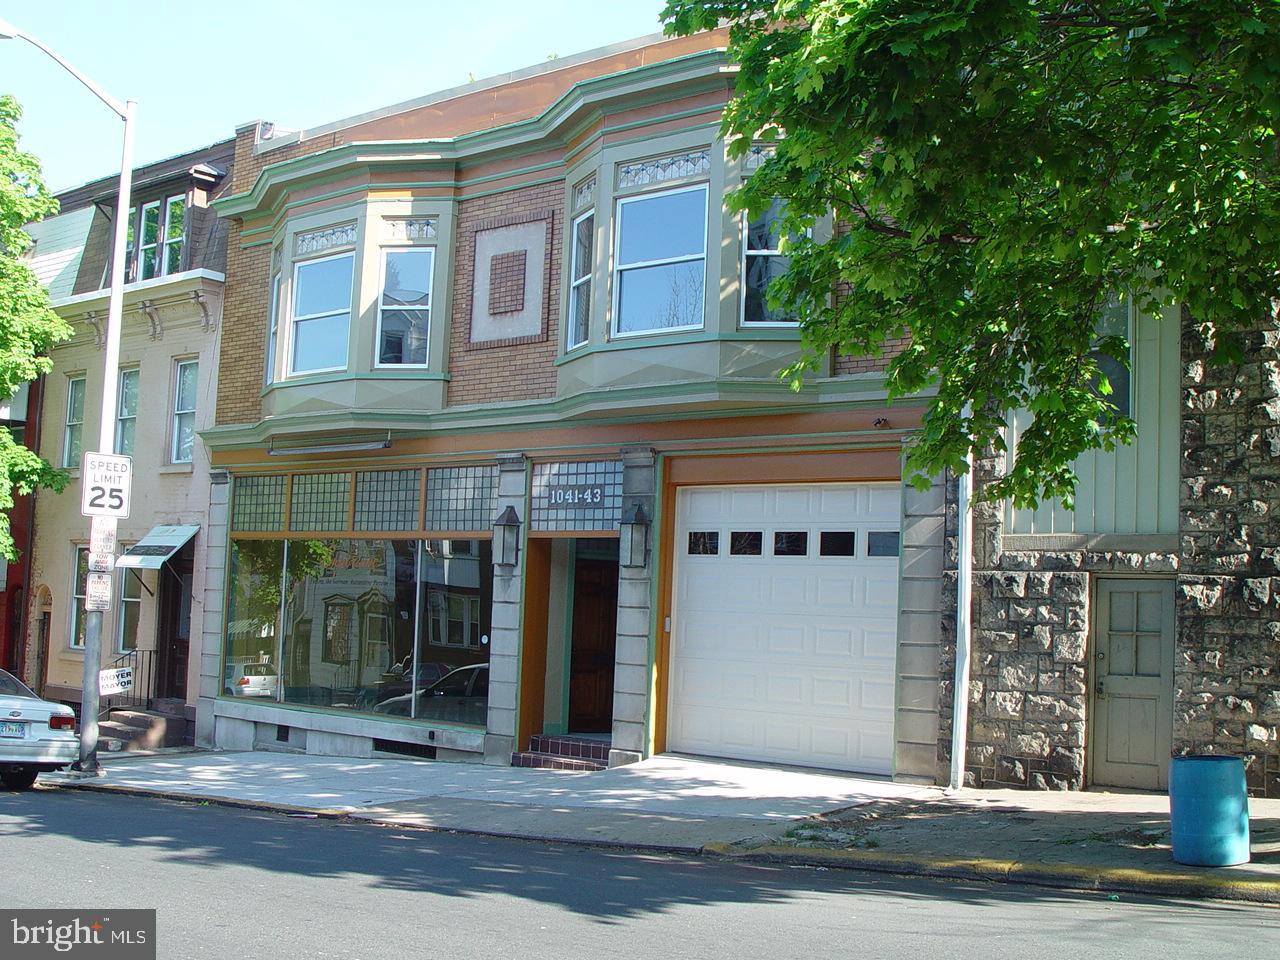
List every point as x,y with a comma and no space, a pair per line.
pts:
784,627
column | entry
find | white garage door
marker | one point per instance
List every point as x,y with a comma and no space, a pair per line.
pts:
785,624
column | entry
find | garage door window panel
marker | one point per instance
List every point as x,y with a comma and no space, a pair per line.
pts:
704,543
746,543
883,543
838,543
791,543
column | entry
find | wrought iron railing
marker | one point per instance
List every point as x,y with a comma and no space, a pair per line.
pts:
140,694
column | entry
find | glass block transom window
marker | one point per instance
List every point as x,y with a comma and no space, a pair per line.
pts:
461,498
577,496
320,501
387,500
258,505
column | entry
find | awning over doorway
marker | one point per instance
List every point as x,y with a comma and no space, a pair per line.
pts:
157,546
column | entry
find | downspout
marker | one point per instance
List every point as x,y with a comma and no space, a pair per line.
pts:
964,626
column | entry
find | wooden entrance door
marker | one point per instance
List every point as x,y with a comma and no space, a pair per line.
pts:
173,640
1133,647
593,643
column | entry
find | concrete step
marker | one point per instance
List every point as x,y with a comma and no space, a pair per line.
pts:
570,747
110,744
144,729
551,761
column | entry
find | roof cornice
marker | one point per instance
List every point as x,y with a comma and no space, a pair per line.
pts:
557,124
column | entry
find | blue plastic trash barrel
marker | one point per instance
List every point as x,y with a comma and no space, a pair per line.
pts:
1209,809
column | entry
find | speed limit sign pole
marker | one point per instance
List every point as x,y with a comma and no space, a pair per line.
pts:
114,474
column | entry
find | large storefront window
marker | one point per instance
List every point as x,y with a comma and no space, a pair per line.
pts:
396,628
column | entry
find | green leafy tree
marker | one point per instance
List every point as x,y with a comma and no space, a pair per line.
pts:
1003,167
28,328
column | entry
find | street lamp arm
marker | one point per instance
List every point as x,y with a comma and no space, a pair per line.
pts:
8,31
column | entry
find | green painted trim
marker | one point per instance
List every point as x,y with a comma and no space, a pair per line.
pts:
571,157
648,138
424,375
256,243
670,339
491,139
510,418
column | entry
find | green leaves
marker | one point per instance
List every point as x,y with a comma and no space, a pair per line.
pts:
1001,168
28,328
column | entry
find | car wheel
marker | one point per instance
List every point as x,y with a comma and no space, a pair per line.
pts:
19,779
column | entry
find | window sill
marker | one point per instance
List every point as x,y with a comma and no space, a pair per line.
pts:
177,468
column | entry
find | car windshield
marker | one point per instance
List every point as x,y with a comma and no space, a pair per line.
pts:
11,686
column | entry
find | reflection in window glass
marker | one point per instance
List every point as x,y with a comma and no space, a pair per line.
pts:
837,543
184,411
661,260
127,412
584,229
883,543
249,667
80,578
71,438
130,610
404,312
746,543
704,543
1113,321
791,543
396,628
453,634
763,264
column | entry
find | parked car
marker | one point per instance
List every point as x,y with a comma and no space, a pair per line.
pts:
35,735
460,696
253,680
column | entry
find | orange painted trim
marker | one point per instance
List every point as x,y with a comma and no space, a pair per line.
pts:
662,651
572,441
533,641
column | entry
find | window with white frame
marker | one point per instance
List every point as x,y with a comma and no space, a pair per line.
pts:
79,578
404,306
163,229
74,429
660,262
579,326
130,611
321,320
184,411
127,412
273,327
762,263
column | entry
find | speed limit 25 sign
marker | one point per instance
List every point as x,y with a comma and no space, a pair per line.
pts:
106,482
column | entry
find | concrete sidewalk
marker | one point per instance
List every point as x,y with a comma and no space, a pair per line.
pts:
1104,841
667,802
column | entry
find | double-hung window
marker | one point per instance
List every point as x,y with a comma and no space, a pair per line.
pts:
404,306
184,411
74,429
127,412
130,611
273,327
660,273
79,579
321,314
763,262
584,228
160,246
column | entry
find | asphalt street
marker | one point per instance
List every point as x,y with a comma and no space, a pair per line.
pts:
237,883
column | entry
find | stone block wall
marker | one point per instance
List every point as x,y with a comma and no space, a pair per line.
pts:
1227,669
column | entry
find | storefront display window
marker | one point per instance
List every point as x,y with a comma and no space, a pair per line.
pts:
397,628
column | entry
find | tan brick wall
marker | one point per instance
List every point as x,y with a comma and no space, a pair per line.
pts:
244,331
844,365
489,373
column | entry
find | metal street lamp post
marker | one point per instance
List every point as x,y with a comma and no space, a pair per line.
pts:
88,763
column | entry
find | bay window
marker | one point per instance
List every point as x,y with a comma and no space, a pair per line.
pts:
321,314
404,306
660,262
273,327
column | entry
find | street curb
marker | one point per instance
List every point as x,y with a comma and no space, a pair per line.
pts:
1065,875
325,813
